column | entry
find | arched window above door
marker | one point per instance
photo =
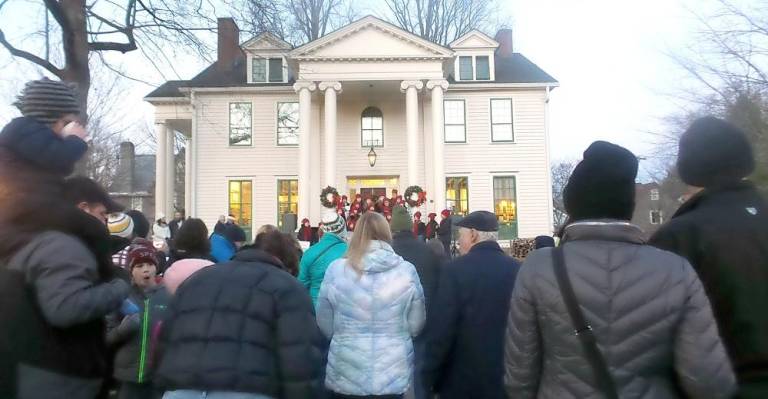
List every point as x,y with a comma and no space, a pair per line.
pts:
372,127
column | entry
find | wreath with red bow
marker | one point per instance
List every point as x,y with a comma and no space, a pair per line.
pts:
421,196
333,194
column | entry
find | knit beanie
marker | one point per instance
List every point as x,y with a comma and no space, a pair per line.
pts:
333,223
180,271
712,152
47,100
140,223
602,185
401,221
141,254
120,225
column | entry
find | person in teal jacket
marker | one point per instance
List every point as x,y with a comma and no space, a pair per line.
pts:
317,258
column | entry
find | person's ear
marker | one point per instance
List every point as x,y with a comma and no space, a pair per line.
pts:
474,235
83,206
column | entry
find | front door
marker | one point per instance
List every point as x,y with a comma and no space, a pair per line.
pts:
372,186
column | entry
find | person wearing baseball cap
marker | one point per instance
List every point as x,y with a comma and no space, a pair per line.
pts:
90,197
462,360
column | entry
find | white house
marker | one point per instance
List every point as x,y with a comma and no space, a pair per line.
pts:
268,126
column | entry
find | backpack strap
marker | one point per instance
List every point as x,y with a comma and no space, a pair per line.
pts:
582,329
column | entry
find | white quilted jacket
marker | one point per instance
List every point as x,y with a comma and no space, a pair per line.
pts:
371,319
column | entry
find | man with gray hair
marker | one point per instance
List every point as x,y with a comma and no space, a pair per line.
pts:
465,332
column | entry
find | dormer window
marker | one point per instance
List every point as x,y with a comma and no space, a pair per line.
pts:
267,68
476,67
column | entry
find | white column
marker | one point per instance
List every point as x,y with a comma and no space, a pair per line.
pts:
305,89
170,170
411,89
438,159
161,133
330,89
188,177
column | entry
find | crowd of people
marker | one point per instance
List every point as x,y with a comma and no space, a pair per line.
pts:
96,301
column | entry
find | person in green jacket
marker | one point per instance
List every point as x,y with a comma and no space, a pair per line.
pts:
317,258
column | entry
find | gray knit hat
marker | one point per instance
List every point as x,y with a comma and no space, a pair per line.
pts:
337,225
47,100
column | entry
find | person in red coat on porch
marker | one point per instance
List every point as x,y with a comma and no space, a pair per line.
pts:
432,226
305,231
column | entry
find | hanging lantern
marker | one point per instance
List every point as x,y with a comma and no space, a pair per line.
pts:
372,157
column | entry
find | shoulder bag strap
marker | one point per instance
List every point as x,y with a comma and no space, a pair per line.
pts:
582,329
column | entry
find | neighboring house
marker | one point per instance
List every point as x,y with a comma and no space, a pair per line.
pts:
653,207
268,126
134,183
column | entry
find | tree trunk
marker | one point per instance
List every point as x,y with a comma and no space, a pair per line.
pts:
75,41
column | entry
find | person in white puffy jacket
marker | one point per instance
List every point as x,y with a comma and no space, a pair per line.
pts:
371,305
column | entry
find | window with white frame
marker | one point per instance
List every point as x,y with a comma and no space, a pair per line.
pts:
465,68
455,121
240,124
656,217
654,195
474,67
482,67
505,205
267,69
288,123
372,127
501,120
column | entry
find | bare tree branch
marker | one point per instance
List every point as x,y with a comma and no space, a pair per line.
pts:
29,56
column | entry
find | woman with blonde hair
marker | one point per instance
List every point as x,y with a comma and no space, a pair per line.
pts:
371,305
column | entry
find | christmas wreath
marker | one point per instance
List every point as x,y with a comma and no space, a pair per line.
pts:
415,196
329,197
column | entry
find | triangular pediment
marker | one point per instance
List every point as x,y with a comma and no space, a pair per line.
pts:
266,41
474,39
371,37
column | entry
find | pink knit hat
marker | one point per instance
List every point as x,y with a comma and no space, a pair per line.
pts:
180,271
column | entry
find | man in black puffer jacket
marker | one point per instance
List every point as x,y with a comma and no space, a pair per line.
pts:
242,326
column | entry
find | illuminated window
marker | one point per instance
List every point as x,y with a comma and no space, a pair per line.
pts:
287,199
505,206
457,195
241,204
240,124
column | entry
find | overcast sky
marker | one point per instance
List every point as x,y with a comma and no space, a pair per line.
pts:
616,81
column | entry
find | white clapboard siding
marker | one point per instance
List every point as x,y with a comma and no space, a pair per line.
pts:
264,162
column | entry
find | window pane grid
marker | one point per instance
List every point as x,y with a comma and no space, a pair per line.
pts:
372,127
259,70
240,124
465,68
455,128
501,120
457,195
240,201
505,206
483,68
275,69
287,198
287,123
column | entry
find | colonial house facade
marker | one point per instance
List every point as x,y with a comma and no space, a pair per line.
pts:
269,126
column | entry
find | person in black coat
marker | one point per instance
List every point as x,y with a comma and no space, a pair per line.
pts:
444,232
723,232
465,334
243,326
427,266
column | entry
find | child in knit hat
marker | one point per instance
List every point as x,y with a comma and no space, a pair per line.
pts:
135,337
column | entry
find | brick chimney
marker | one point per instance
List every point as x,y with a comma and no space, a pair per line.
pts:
123,182
229,44
504,37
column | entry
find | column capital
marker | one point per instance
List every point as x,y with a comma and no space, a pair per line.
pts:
406,84
323,86
304,84
437,83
